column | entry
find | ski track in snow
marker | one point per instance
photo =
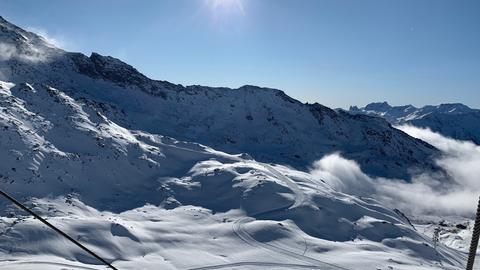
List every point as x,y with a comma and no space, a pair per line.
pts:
259,264
299,195
246,237
240,231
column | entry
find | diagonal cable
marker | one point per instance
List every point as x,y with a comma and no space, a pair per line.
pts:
21,206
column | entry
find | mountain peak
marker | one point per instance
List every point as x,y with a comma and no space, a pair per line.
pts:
4,21
455,106
21,45
8,29
378,106
110,63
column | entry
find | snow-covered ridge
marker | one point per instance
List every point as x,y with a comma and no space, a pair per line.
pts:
454,120
266,123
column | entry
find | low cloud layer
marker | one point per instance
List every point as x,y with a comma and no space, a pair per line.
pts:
428,193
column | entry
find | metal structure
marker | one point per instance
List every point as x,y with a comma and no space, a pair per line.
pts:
474,243
21,206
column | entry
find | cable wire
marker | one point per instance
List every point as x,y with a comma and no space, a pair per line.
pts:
21,206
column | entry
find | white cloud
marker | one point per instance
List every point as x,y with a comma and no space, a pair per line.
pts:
9,51
342,174
427,193
461,159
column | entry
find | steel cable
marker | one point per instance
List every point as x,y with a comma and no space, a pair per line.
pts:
21,206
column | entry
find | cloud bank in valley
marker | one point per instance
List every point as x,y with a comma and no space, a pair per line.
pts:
428,193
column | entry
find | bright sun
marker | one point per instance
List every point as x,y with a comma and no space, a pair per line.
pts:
227,5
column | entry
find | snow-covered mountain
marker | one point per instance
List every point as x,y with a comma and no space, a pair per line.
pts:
266,123
147,201
454,120
114,159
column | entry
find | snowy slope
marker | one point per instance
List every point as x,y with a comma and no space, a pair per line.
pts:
83,142
453,120
144,200
263,122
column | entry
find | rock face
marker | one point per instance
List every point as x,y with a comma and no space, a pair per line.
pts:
266,123
454,120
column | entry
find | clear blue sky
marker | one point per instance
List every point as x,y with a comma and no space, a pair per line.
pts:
337,52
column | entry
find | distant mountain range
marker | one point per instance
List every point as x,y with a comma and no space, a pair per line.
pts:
454,120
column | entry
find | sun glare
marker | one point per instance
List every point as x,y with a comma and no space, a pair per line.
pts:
227,5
